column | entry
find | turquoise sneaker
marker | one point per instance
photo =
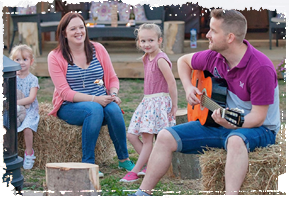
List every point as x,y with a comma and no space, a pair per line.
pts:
100,174
127,165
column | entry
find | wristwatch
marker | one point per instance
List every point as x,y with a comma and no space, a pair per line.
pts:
114,94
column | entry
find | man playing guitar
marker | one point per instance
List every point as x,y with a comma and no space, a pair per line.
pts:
252,86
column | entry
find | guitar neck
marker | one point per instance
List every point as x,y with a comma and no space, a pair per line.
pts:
210,104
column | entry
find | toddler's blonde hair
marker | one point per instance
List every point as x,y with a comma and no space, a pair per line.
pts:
20,49
148,26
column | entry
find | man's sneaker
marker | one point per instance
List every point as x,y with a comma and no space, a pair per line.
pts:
129,177
28,161
100,174
142,173
139,192
128,165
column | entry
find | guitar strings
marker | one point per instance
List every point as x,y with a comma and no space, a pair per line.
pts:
210,102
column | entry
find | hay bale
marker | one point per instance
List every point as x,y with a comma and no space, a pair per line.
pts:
57,141
265,165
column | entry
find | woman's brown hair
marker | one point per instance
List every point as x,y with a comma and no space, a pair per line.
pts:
62,41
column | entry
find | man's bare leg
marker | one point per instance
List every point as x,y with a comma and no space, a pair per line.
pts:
159,161
236,165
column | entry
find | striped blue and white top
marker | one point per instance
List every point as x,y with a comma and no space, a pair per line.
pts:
82,80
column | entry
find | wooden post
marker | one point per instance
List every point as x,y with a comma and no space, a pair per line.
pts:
7,16
29,32
114,16
174,33
72,179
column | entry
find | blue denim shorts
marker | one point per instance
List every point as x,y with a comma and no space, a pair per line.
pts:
192,137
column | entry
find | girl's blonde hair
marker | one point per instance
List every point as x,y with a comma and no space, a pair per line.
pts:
20,49
148,26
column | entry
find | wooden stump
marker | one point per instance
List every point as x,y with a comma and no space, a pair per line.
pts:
184,166
174,33
72,179
181,116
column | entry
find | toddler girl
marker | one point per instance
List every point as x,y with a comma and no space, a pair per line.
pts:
27,83
158,108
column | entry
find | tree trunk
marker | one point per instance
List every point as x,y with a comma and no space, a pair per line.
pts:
72,179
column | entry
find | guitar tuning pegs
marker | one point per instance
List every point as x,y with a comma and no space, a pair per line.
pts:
240,110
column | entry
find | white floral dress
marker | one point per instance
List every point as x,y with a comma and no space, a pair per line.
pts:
32,114
151,115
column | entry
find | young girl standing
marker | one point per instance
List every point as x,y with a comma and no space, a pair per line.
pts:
158,108
28,84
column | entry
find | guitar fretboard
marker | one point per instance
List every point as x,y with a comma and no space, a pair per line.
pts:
209,103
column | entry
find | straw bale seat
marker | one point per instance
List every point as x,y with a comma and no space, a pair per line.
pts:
265,165
57,141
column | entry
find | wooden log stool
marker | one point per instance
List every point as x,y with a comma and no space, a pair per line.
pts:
174,33
72,179
184,166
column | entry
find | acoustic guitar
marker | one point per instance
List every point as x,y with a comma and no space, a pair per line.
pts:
214,97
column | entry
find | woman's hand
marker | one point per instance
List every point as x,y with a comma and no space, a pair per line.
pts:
103,100
117,100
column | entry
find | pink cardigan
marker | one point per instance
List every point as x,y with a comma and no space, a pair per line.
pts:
57,67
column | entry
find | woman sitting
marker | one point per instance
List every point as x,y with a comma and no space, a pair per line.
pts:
74,66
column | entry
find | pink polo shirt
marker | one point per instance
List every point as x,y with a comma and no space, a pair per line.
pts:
252,82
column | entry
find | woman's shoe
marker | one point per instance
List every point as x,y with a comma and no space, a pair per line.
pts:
129,177
127,165
100,174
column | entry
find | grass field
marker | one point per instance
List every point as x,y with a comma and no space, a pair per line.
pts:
131,93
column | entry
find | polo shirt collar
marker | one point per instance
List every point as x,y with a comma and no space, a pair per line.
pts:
244,61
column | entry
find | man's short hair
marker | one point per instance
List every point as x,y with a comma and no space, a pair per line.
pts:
233,22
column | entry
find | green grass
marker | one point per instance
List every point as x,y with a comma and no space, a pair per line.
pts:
131,93
33,179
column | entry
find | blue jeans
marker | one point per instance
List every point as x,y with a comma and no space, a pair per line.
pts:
192,137
91,116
